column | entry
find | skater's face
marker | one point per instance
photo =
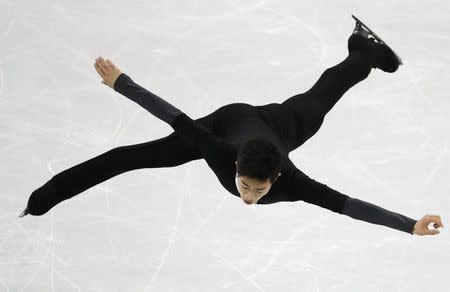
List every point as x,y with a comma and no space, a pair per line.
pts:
251,190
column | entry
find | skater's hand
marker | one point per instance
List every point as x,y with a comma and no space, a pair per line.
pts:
421,226
107,70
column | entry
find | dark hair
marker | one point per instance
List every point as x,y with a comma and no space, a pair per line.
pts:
259,159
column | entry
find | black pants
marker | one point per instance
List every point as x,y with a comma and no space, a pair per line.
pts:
308,110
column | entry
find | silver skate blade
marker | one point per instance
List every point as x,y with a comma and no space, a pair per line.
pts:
24,212
378,38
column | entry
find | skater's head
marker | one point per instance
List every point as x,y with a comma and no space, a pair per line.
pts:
258,166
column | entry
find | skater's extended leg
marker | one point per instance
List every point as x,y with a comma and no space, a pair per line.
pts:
310,107
333,83
168,151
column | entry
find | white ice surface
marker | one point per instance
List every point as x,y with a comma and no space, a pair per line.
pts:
177,229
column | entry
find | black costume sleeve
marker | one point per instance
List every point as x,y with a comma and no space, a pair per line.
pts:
313,192
148,100
214,150
307,189
366,211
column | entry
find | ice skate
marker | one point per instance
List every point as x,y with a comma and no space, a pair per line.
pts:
24,212
386,59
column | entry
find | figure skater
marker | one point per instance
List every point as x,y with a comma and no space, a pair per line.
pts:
246,146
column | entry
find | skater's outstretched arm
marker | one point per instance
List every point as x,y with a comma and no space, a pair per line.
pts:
313,192
123,84
361,210
211,146
369,212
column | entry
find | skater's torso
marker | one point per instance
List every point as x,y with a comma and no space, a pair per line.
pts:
238,122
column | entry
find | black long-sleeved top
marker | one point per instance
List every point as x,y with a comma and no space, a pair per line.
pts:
220,149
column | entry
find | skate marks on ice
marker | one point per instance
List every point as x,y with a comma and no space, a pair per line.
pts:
238,9
5,34
203,21
289,22
47,244
2,82
295,21
171,239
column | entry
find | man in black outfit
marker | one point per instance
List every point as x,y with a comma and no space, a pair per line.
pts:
246,146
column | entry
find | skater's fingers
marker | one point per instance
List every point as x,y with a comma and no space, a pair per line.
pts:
111,64
99,70
104,63
102,66
435,219
436,225
439,222
432,232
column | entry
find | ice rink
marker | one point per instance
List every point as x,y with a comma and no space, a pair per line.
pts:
177,229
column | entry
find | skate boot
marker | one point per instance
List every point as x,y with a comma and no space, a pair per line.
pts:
43,199
383,57
360,40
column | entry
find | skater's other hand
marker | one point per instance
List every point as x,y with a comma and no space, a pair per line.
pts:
421,226
107,70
